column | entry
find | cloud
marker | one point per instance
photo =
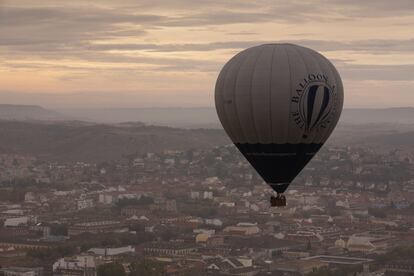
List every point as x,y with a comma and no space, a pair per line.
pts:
67,27
372,8
377,72
98,41
53,25
372,46
95,60
101,53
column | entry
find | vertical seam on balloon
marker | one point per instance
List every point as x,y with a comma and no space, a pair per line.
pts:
223,100
233,127
307,70
235,102
290,94
326,133
251,97
337,81
270,94
318,65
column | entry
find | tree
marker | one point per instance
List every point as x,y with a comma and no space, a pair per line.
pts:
341,271
52,253
398,253
111,269
147,268
378,213
59,229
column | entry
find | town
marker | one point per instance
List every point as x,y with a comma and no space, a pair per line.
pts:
207,212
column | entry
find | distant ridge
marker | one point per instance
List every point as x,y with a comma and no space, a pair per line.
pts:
29,113
206,117
198,117
399,115
72,142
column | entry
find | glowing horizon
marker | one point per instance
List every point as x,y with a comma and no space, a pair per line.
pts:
168,53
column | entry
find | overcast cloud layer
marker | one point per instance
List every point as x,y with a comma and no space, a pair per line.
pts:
169,52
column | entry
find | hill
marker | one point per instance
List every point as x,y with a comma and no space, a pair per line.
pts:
207,117
400,115
28,113
77,141
403,141
204,117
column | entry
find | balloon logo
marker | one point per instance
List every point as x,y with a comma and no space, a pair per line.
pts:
279,103
316,103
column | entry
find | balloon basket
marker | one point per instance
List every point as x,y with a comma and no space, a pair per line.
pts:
278,201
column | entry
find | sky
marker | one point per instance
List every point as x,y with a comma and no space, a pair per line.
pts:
168,53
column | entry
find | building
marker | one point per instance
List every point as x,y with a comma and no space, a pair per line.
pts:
164,205
340,260
170,249
214,221
107,199
368,243
221,264
13,222
25,245
132,210
112,251
215,240
85,203
83,265
94,227
21,271
304,236
399,268
242,229
207,195
202,237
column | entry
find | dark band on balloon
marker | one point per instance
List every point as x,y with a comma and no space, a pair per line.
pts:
278,164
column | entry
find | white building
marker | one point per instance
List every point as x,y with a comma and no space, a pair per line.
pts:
214,221
30,197
76,265
107,199
194,195
207,195
112,251
85,203
13,222
227,204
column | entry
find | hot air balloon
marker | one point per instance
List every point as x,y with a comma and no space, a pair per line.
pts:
278,103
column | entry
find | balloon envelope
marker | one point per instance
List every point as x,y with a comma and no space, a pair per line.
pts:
279,103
